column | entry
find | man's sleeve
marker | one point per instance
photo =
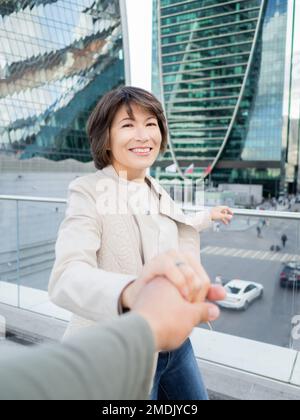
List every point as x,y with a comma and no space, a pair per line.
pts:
112,362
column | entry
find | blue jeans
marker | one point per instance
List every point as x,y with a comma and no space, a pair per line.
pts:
177,376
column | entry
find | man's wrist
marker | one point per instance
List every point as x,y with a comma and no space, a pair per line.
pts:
154,327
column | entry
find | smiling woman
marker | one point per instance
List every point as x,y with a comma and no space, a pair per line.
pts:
107,253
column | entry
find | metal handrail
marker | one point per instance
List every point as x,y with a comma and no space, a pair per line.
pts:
238,212
33,199
255,213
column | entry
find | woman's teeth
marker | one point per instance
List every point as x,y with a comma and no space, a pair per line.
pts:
141,150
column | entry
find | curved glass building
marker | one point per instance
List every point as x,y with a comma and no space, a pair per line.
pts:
57,58
226,71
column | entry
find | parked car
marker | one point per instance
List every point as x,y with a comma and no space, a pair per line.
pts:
240,294
290,275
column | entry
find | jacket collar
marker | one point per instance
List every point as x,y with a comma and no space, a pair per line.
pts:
167,206
110,172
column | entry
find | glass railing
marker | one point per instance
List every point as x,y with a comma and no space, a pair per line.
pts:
29,229
250,257
257,258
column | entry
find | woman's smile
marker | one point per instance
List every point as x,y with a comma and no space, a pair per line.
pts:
142,151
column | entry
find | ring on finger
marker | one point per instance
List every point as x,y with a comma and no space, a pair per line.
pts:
179,263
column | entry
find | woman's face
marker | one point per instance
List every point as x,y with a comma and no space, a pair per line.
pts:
134,143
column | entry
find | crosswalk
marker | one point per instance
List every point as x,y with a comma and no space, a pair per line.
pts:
250,254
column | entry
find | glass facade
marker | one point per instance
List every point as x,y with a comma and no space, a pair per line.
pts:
292,95
57,58
223,66
263,141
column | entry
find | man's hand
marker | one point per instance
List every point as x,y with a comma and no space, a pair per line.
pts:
222,214
170,316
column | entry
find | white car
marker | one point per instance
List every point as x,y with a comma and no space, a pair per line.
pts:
240,294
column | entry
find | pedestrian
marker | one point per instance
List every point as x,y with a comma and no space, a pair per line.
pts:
258,229
217,227
284,240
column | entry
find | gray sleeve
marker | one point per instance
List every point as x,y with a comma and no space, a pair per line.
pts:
112,362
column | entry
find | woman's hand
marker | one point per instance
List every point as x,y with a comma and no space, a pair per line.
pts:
182,269
222,214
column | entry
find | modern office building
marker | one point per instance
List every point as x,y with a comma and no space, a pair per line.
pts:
229,79
57,58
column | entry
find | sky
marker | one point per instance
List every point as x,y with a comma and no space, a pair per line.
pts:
140,40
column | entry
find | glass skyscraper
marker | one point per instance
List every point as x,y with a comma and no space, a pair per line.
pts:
57,58
226,77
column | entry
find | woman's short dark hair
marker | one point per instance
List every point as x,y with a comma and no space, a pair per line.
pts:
100,121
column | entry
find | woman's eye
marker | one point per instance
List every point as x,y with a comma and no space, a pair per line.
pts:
152,124
127,126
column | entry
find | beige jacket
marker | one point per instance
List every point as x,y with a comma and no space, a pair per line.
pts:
97,250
